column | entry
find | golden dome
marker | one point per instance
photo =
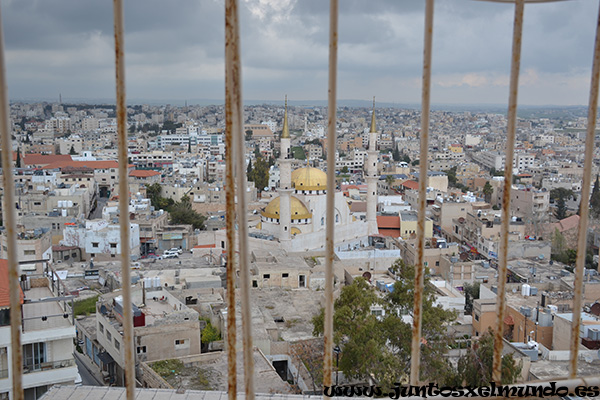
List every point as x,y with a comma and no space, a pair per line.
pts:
299,211
309,178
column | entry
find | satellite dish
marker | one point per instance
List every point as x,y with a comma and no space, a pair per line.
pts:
367,275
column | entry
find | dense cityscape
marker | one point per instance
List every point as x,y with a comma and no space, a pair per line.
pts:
66,179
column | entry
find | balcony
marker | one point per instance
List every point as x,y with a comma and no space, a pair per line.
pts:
46,366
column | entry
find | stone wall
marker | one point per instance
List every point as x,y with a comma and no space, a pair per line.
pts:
150,379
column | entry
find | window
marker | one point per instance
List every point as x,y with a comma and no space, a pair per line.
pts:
113,245
141,349
100,327
95,244
108,336
34,355
285,275
476,317
29,252
182,344
266,276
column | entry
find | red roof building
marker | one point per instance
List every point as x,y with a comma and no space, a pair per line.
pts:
5,287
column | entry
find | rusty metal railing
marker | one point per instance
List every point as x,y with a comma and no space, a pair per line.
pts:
234,113
236,188
8,210
584,210
124,223
330,200
508,172
415,360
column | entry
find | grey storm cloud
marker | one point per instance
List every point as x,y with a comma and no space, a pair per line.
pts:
175,49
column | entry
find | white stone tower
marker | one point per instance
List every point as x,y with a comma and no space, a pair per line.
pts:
285,183
372,177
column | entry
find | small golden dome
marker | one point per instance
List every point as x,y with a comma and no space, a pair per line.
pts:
299,211
309,178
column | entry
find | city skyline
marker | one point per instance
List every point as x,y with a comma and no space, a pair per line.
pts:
177,53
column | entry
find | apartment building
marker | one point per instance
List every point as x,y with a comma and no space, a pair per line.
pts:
163,328
32,245
47,337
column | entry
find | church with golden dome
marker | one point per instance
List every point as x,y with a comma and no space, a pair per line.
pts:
297,217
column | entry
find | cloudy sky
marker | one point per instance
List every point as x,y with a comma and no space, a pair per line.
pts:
175,51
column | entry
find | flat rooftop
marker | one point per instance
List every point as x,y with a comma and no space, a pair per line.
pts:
33,313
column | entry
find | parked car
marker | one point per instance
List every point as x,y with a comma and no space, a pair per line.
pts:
176,250
171,255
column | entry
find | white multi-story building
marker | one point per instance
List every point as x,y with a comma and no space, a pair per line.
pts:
47,338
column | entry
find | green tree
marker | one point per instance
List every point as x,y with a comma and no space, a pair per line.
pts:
18,163
183,213
248,135
452,180
475,367
380,345
595,199
153,192
488,190
209,334
249,169
72,151
558,193
406,158
559,242
344,169
471,292
389,179
396,154
260,174
561,209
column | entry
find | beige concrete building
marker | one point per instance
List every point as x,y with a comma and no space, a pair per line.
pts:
164,328
484,311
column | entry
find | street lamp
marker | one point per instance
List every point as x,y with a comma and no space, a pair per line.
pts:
337,352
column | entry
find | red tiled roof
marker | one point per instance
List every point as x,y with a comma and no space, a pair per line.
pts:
4,285
141,173
410,185
45,159
80,164
388,222
389,232
568,223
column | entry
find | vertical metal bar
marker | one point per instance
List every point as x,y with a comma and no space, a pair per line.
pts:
415,360
124,199
230,221
233,73
11,231
508,172
330,198
584,209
